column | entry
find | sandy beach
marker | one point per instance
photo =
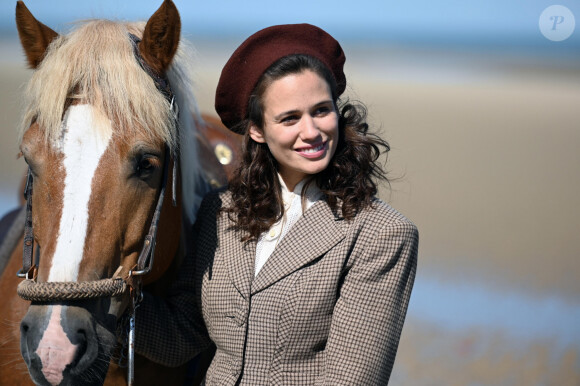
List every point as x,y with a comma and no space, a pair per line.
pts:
485,161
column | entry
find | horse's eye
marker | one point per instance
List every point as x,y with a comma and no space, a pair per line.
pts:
146,165
31,165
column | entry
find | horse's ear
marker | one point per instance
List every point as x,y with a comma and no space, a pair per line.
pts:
34,36
161,37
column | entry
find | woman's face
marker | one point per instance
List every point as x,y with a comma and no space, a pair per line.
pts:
300,125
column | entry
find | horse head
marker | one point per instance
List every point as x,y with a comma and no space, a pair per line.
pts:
100,136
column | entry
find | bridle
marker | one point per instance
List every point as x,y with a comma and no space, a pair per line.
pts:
31,290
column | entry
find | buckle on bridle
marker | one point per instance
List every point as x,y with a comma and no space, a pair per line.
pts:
30,274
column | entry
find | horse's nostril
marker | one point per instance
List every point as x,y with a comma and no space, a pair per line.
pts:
81,340
24,328
82,336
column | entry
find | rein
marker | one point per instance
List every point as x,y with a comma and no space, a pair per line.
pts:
31,290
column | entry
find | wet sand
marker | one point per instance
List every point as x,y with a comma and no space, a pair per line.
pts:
485,161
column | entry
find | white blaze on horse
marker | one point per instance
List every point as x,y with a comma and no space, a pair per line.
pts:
101,138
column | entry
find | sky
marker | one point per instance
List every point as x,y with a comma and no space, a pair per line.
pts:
466,23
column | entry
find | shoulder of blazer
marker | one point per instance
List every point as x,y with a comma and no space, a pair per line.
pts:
382,215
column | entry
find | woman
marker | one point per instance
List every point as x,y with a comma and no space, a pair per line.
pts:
300,275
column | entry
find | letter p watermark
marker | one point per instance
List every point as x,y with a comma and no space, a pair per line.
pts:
557,20
557,23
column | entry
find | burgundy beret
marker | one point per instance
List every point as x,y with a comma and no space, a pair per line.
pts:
241,73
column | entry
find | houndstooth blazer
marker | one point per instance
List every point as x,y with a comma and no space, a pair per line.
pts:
327,308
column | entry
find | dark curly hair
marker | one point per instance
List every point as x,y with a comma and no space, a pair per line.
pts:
348,182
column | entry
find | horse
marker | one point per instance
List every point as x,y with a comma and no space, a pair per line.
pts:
119,158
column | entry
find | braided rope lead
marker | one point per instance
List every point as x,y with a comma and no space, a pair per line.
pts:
55,291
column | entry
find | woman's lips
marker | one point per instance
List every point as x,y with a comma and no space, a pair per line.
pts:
312,151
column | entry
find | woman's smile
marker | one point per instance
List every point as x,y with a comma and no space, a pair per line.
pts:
314,151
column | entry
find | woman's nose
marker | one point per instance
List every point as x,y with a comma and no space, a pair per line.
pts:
309,128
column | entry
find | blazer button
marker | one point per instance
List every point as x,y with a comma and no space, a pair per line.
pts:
242,315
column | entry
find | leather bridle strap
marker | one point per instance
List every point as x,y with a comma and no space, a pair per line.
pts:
146,257
162,84
161,81
29,269
145,260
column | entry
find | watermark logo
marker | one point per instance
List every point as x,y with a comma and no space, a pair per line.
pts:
557,23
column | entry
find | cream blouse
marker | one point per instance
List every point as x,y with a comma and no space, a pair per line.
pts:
294,206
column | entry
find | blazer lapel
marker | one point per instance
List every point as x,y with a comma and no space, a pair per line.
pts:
314,233
240,264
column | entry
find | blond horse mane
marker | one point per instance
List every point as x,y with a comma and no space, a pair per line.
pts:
95,64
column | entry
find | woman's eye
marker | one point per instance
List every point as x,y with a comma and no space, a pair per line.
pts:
321,111
289,119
